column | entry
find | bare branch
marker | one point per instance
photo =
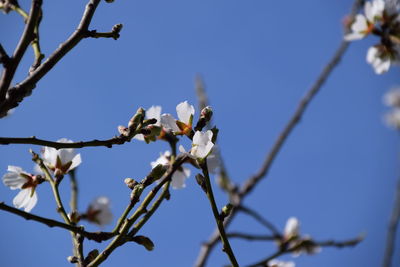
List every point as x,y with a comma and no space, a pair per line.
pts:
392,229
304,245
260,219
114,33
17,93
117,140
26,38
96,236
4,58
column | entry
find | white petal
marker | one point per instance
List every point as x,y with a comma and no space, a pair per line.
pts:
102,205
76,161
292,227
24,200
178,180
139,137
354,36
163,159
15,169
31,203
212,162
360,24
184,111
168,122
14,180
372,54
154,112
50,155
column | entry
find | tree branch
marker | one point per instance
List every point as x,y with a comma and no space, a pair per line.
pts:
251,237
17,93
304,245
254,180
117,140
392,229
26,38
95,236
260,219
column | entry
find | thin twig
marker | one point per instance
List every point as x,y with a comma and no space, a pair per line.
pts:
96,236
117,140
254,180
122,236
392,229
220,225
17,93
251,237
27,36
77,239
304,245
260,219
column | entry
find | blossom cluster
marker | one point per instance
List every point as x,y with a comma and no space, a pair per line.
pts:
380,18
202,142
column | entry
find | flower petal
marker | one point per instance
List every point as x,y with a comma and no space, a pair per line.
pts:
185,112
24,200
169,123
76,161
154,112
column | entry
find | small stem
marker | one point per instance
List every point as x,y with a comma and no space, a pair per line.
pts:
121,219
98,236
260,219
77,239
151,211
225,242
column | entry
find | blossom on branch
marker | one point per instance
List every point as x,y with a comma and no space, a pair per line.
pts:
292,239
154,112
184,123
364,25
99,211
201,145
17,178
62,160
277,263
180,175
381,58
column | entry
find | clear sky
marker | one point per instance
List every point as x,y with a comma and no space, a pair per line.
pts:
337,172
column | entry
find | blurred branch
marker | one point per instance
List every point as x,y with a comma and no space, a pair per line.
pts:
260,219
26,38
251,237
255,179
96,236
23,89
392,229
305,245
117,140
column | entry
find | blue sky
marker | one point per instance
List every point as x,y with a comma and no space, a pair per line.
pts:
336,173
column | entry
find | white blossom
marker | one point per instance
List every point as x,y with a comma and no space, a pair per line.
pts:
64,160
184,123
363,25
180,175
392,118
292,228
16,178
202,144
99,211
392,98
154,112
277,263
378,59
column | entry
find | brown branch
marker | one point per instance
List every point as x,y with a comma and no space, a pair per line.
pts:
117,140
4,58
255,179
96,236
305,245
392,229
114,33
17,93
26,38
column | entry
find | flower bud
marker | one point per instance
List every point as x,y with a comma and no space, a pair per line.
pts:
123,130
136,119
130,183
226,211
72,259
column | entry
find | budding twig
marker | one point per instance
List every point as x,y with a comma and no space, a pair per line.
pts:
95,236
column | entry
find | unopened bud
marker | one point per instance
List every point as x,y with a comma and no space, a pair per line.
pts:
205,117
72,259
109,1
117,27
158,171
144,241
136,119
130,183
226,211
123,130
201,181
